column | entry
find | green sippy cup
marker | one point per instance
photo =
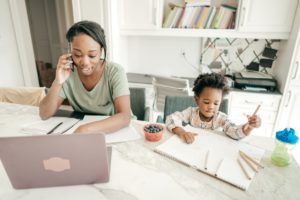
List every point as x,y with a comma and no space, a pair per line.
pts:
286,140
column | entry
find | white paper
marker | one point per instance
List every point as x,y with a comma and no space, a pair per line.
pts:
122,135
42,127
222,159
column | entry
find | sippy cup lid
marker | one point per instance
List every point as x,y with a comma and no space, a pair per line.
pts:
287,135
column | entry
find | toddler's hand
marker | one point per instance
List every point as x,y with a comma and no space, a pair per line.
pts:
188,137
254,121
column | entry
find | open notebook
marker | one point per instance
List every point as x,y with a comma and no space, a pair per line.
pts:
53,125
221,161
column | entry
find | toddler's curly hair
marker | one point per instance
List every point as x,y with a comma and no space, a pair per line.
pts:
212,80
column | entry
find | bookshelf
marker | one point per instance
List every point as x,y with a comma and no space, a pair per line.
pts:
225,33
261,19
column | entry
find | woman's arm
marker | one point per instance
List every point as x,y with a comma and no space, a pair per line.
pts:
117,121
52,101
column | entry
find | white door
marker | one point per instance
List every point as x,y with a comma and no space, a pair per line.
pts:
267,15
141,14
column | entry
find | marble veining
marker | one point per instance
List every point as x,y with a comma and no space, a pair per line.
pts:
137,172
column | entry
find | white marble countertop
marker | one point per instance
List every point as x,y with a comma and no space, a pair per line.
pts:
139,173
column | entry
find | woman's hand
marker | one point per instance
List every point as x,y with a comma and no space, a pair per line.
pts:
82,129
63,69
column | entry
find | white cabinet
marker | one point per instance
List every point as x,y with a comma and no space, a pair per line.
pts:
266,15
265,19
291,103
244,103
295,71
292,109
140,14
290,106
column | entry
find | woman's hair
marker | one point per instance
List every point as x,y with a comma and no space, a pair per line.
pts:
212,80
89,28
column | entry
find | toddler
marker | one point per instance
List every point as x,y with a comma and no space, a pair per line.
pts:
209,90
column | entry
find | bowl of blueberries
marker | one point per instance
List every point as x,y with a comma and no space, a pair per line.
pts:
153,132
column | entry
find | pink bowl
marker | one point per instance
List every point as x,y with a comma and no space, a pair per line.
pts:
153,137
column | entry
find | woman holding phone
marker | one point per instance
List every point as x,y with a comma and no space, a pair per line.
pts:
95,86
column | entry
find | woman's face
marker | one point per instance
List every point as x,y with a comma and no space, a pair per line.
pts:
209,101
86,53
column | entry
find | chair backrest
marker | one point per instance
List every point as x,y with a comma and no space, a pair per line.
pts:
138,102
22,95
166,86
179,103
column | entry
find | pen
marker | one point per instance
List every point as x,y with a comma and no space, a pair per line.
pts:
53,129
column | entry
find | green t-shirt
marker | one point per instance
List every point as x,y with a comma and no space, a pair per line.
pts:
113,83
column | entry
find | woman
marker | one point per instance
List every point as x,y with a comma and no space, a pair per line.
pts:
95,86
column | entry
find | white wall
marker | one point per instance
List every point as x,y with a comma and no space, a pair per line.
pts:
163,56
10,68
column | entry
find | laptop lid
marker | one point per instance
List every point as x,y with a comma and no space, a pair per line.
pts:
55,160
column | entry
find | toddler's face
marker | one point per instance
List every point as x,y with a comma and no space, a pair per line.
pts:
209,101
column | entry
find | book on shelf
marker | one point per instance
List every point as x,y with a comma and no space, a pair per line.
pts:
229,12
185,18
211,16
179,20
191,3
168,20
196,17
192,18
218,18
200,16
177,17
203,18
214,154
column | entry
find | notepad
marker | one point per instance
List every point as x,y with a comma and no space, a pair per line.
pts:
221,161
122,135
42,127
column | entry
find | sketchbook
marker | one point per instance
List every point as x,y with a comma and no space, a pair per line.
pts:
214,154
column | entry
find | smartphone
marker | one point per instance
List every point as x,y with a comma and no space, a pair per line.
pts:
70,58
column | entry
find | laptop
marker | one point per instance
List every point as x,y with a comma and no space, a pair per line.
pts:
55,160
